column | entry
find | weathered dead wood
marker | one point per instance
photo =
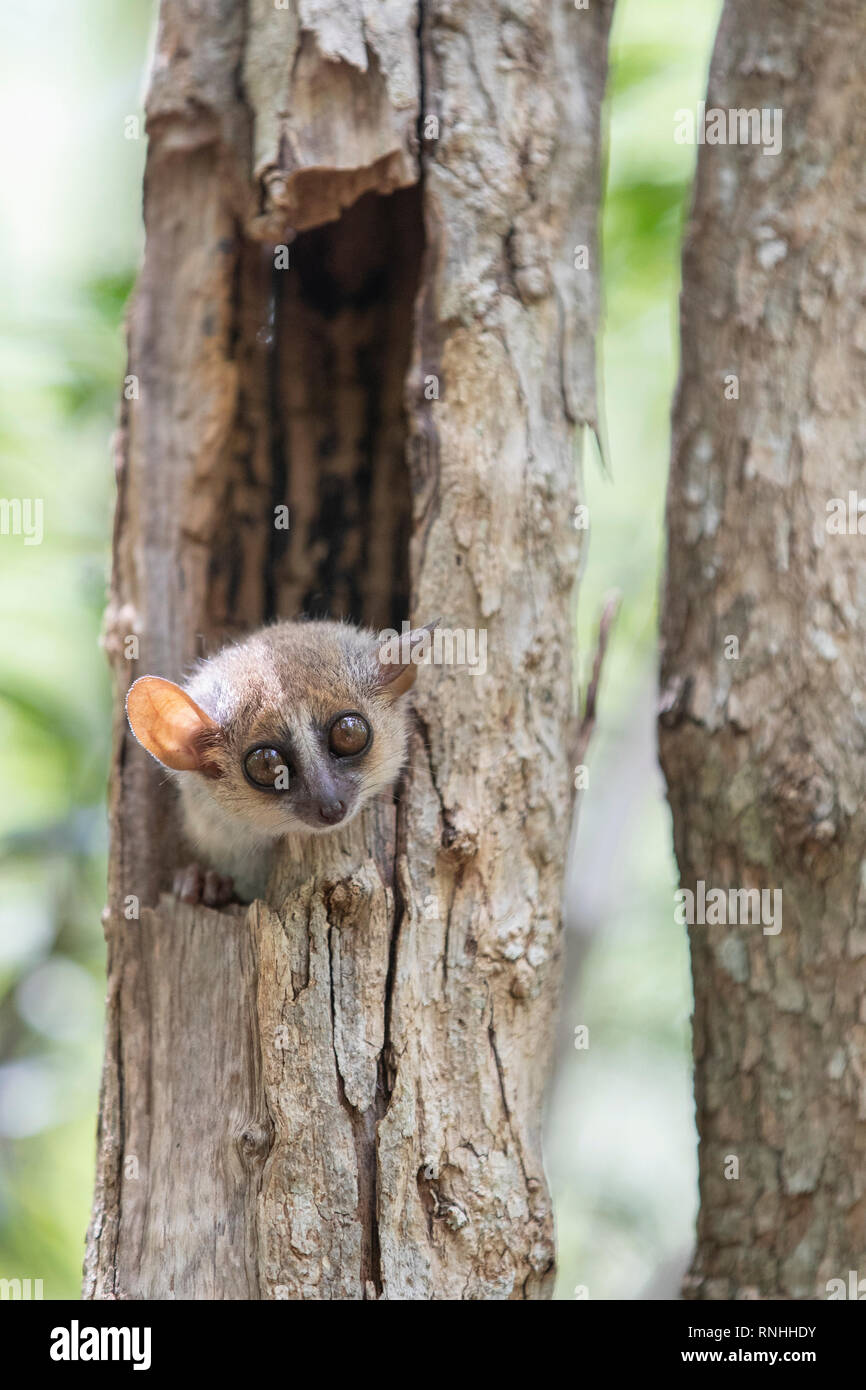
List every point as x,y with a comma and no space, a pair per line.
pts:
353,1099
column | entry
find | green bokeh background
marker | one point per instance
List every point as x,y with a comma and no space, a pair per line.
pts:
620,1134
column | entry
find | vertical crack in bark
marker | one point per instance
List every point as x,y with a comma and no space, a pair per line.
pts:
491,1033
402,899
364,1135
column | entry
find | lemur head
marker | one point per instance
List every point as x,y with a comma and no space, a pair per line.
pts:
293,730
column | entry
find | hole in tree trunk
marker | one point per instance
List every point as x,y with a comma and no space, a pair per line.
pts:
340,352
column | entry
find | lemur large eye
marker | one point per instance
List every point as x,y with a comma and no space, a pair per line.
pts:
350,733
266,767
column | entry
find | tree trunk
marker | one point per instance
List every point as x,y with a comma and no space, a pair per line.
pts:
764,750
337,1093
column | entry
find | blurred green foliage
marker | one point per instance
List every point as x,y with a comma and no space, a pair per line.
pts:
69,244
620,1134
620,1144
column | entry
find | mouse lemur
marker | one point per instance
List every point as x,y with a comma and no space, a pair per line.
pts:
291,731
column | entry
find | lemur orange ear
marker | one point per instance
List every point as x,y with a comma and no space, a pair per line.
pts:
171,726
399,658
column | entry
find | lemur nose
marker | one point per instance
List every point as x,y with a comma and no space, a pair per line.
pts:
332,811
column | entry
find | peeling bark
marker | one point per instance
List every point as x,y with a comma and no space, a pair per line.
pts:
351,1098
764,754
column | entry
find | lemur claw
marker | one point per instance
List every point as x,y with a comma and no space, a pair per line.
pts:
194,885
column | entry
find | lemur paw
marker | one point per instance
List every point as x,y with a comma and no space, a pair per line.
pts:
195,885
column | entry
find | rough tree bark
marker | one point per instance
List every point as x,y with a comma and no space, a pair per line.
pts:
337,1093
764,754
